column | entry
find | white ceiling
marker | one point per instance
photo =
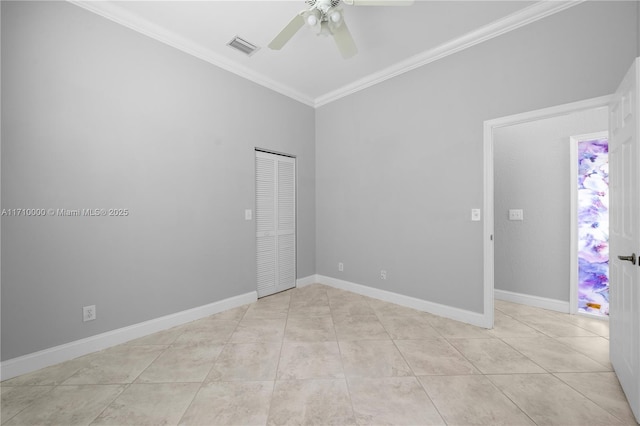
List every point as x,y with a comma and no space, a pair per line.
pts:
390,40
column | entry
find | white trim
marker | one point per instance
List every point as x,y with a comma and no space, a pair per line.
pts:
457,314
528,15
536,301
303,282
573,239
113,12
511,22
554,111
487,228
44,358
573,178
489,127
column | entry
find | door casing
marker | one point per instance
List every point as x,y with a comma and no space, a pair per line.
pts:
276,232
488,202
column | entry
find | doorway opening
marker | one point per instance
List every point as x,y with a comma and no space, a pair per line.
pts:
590,224
544,297
624,157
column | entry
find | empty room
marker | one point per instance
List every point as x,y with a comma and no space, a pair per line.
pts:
347,212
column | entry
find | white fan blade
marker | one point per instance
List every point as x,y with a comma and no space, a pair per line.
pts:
344,41
287,32
379,2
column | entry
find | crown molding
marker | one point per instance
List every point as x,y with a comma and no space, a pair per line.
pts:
111,11
528,15
518,19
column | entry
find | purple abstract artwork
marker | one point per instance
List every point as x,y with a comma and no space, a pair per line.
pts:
593,227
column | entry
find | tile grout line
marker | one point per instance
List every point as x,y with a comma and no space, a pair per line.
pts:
110,403
415,376
212,365
534,362
581,393
554,374
346,381
125,385
582,352
522,410
30,404
555,338
275,379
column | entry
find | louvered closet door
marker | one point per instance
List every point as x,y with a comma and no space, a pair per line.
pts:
275,223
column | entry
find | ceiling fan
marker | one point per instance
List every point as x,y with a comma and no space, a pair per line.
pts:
326,17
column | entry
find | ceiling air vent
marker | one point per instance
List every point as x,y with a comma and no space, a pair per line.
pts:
243,46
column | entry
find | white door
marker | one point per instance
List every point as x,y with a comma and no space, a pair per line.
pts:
624,237
275,222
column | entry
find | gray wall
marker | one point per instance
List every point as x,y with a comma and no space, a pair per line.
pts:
95,115
399,165
532,172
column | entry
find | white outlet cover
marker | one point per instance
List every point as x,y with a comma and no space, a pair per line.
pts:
516,214
475,215
89,313
248,214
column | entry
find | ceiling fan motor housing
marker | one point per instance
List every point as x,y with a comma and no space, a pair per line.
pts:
323,16
331,3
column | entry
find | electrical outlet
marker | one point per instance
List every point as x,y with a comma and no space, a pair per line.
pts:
89,313
383,274
340,266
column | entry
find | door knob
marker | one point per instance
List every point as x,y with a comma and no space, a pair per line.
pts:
631,258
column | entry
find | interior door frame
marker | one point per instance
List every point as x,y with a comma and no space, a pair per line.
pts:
295,161
488,200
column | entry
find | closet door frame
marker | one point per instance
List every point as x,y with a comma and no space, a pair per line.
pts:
276,231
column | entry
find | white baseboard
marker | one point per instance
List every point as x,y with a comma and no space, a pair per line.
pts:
44,358
47,357
305,281
469,317
536,301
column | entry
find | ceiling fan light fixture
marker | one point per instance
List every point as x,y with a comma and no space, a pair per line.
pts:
335,16
312,17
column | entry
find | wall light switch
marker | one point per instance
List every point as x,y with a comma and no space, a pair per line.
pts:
248,214
475,215
516,214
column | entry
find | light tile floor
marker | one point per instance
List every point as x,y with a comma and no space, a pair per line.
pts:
318,355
